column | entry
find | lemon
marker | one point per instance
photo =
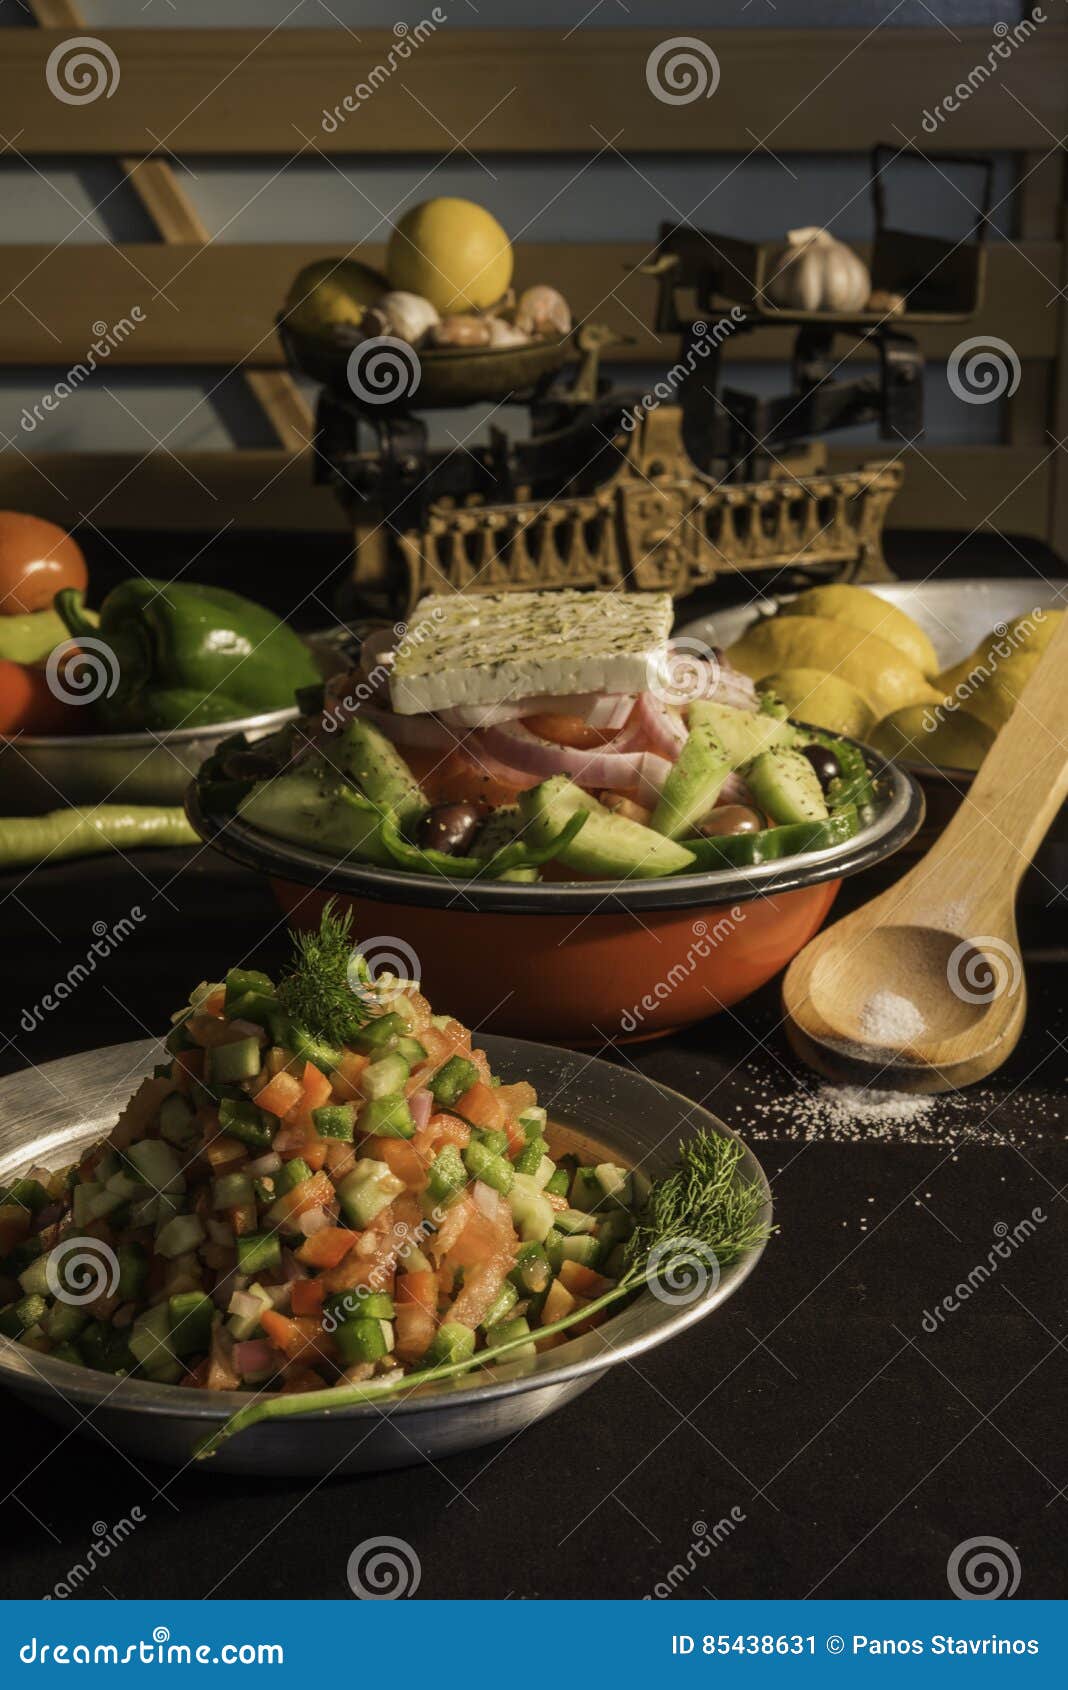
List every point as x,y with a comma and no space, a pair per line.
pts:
453,252
946,739
330,291
822,700
994,699
859,609
885,679
1028,634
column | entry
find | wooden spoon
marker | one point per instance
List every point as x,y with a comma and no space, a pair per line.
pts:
923,989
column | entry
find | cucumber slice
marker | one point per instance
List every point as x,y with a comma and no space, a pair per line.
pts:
608,845
693,782
379,771
785,785
744,734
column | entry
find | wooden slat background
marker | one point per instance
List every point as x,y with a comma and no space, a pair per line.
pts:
218,91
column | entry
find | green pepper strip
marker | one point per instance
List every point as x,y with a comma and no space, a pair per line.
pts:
518,854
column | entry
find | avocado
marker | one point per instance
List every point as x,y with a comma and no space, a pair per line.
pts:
784,783
608,845
744,734
366,756
693,783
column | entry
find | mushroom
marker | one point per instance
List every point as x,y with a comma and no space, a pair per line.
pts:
543,311
406,315
460,331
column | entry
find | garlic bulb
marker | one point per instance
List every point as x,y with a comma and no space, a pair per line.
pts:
542,310
460,331
816,272
406,315
506,334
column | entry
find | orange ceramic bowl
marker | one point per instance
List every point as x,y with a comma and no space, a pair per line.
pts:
579,962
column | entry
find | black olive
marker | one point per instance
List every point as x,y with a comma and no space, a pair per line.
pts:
249,765
450,827
731,818
824,762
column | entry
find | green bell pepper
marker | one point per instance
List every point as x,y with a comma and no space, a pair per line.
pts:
187,655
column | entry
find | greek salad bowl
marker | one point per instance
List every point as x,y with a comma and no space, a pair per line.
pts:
596,1114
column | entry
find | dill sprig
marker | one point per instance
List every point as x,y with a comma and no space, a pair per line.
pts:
317,991
700,1215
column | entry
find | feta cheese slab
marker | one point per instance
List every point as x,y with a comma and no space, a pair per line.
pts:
488,647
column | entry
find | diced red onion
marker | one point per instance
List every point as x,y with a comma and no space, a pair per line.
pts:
420,1104
244,1303
313,1221
267,1164
424,732
654,725
486,1199
254,1356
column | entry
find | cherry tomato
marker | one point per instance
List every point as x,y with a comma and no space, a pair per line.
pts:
28,705
37,558
572,731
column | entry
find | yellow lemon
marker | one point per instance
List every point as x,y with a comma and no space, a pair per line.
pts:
453,252
943,738
1028,635
993,700
332,290
885,679
823,700
860,609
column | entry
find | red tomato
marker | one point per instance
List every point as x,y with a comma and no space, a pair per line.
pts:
28,704
451,778
36,560
571,731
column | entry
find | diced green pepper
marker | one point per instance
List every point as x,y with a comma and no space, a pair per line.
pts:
488,1166
530,1157
192,1315
335,1120
453,1341
257,1250
291,1174
242,980
105,1347
25,1194
447,1174
452,1079
239,1060
376,1035
558,1185
133,1271
246,1123
387,1117
360,1340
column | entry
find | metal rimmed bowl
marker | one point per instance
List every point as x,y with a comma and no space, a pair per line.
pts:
956,615
582,962
42,771
49,1114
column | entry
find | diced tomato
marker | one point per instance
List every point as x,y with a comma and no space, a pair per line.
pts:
455,779
197,1377
317,1087
518,1097
340,1158
437,1046
306,1296
279,1095
205,1029
449,1129
216,1003
414,1332
480,1105
446,1280
224,1154
558,1303
314,1151
346,1076
456,1218
421,1288
327,1247
301,1379
456,1036
479,1292
297,1338
313,1193
354,1270
561,729
582,1281
401,1158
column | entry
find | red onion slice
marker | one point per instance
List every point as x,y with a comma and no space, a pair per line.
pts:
522,750
425,732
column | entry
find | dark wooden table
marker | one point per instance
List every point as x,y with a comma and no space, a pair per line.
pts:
848,1449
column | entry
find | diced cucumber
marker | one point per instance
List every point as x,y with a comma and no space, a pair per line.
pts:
488,1166
453,1341
387,1117
258,1250
229,1191
239,1060
502,1305
385,1076
378,1034
569,1221
25,1194
178,1121
615,1228
452,1079
532,1271
192,1316
165,1207
31,1311
531,1211
614,1183
335,1120
533,1122
504,1332
133,1271
150,1345
105,1347
125,1187
412,1051
34,1278
105,1203
66,1352
158,1164
558,1183
242,980
180,1235
81,1197
412,1260
586,1192
580,1247
366,1191
360,1340
244,1325
64,1321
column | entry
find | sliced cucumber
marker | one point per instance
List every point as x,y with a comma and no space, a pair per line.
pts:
693,782
608,845
784,783
744,734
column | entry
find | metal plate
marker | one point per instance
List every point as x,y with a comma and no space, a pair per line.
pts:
48,1114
